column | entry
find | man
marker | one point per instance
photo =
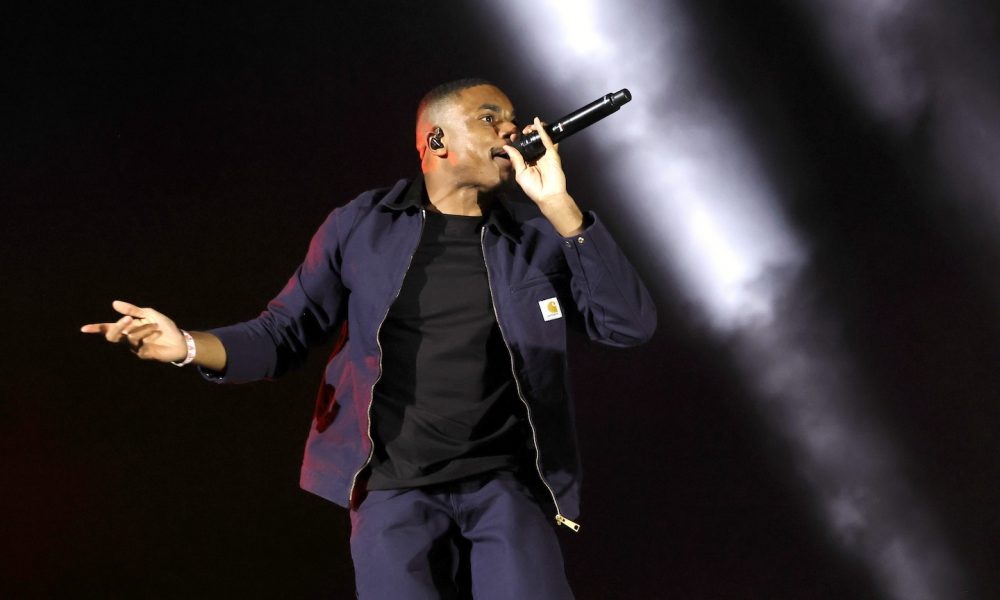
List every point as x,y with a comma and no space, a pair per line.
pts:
443,421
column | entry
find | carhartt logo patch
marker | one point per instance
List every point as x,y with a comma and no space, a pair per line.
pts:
550,309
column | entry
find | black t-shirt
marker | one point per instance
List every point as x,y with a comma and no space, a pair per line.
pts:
446,406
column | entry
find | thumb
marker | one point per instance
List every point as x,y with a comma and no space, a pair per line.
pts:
128,309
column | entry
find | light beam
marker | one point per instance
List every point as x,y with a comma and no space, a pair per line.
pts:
696,194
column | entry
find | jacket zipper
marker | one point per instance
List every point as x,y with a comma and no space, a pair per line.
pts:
560,519
371,397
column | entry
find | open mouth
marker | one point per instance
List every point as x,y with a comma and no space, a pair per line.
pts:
499,153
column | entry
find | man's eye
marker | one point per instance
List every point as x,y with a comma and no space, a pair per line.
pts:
488,118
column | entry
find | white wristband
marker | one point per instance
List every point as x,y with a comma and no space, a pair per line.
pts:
190,348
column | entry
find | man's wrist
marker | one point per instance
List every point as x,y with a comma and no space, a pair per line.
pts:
191,350
563,213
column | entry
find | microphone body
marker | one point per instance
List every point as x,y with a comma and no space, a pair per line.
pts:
530,146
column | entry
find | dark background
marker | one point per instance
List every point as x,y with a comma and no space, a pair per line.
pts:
182,157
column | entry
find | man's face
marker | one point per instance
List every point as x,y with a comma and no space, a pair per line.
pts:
477,122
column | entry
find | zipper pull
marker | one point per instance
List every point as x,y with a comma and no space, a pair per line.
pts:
561,520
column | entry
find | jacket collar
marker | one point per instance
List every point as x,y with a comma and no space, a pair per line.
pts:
414,197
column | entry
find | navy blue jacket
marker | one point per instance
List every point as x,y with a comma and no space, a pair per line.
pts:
350,277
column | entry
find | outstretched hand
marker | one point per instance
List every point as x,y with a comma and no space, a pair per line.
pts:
544,182
149,334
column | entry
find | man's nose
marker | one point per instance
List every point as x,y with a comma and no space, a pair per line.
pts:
508,131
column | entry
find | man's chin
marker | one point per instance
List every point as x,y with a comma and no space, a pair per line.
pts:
504,182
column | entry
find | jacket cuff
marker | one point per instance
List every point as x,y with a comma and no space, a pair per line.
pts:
247,357
593,231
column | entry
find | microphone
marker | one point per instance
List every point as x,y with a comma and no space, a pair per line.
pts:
530,146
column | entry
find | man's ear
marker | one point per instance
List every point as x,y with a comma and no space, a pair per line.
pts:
435,140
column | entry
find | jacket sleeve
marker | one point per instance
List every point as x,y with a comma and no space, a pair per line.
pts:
306,312
616,307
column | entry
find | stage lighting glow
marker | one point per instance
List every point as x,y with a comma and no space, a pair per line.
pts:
951,93
870,36
678,155
695,193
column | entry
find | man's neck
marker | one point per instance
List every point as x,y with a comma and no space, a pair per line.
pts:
458,200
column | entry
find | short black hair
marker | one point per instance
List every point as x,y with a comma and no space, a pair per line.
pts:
445,90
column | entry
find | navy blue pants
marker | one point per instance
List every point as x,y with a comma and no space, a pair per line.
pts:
488,536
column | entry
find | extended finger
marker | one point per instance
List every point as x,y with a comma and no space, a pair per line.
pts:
95,327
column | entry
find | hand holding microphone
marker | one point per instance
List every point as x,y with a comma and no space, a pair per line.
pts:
539,172
531,147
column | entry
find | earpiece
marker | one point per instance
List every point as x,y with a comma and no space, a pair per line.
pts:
435,141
